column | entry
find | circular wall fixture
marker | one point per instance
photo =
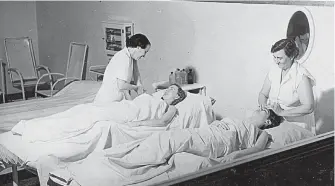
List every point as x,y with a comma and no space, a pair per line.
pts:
301,29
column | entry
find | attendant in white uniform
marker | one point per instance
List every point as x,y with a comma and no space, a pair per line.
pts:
287,88
122,69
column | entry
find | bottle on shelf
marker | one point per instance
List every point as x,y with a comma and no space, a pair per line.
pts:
172,78
178,77
184,76
190,76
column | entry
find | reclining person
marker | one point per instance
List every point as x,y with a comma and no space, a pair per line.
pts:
139,161
143,110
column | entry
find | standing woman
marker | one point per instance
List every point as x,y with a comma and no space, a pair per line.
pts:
287,88
122,69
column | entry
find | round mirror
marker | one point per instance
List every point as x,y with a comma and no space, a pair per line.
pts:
300,30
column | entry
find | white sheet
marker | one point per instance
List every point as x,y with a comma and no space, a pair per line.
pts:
182,164
81,118
142,160
195,111
101,135
77,92
68,149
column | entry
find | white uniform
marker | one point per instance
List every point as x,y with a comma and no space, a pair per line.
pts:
285,93
119,67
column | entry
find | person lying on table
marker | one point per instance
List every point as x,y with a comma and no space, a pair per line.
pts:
226,138
144,159
144,110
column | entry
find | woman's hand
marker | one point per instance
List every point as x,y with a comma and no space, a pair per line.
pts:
140,90
277,109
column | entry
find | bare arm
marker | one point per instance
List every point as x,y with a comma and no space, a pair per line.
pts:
259,146
264,93
123,85
127,95
162,122
306,98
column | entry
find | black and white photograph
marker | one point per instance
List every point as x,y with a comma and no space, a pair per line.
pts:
152,92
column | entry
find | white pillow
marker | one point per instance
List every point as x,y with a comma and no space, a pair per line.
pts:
194,111
286,133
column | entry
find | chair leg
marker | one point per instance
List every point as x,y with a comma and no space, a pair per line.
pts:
15,176
3,98
23,94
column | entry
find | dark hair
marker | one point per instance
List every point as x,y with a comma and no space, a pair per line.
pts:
288,45
300,30
181,93
274,119
137,40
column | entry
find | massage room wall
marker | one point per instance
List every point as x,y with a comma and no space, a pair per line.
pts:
17,19
228,44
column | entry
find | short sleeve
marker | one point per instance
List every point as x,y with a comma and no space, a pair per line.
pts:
301,72
271,73
120,67
122,71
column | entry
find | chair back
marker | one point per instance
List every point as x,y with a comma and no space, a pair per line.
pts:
20,55
77,59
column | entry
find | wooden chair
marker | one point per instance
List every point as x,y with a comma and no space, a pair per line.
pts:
22,68
75,69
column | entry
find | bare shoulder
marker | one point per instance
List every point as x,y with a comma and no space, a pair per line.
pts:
172,107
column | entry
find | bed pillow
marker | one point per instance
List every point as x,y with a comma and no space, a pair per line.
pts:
286,133
194,111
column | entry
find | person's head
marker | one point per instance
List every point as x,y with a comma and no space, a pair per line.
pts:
302,31
138,46
304,38
284,52
266,118
174,94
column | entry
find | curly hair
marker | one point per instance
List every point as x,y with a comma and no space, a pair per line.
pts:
181,93
288,45
137,40
274,119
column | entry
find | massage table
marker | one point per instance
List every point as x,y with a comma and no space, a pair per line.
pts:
294,154
304,162
293,149
194,111
75,93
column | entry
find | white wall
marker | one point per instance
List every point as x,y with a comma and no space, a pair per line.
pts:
17,19
228,44
321,64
